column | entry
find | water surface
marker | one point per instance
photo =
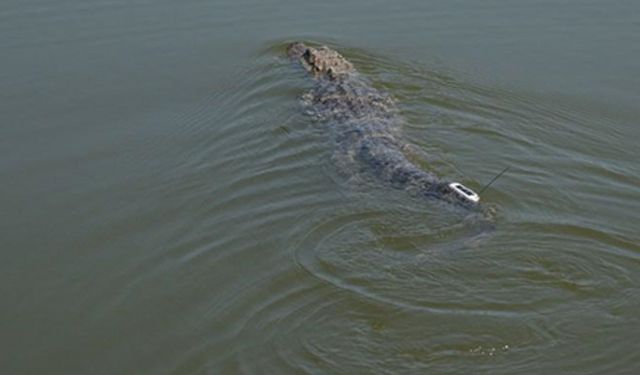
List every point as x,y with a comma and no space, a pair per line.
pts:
168,207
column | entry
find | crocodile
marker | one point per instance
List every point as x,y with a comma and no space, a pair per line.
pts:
367,123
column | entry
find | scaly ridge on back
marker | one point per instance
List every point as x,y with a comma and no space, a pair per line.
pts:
365,123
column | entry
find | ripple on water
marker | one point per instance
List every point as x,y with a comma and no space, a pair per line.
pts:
327,275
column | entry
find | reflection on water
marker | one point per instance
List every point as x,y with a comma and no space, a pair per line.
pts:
169,207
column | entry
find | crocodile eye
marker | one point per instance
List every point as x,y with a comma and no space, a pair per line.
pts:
330,73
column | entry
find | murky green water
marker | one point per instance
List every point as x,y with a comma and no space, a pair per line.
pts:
168,208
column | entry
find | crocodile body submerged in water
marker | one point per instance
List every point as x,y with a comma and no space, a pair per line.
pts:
366,123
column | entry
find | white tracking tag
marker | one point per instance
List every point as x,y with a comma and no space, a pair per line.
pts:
464,192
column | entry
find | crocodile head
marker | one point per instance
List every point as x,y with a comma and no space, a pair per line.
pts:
322,62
